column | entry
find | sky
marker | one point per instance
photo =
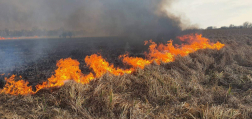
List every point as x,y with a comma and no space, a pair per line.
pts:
204,13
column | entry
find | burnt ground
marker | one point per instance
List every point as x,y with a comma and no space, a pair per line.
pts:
35,59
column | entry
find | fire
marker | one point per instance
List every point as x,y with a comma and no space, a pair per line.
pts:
100,66
68,69
2,38
166,52
16,87
135,61
13,38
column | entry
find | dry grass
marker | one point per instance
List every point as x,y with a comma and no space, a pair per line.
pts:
207,84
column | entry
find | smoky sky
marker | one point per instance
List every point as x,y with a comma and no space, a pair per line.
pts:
93,17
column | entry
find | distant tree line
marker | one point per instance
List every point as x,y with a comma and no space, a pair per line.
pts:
38,32
244,25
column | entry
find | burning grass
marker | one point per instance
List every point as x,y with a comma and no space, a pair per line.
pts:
204,84
68,69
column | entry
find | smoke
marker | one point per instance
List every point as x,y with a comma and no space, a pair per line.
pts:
140,18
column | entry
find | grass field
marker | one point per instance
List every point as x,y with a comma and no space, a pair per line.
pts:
204,84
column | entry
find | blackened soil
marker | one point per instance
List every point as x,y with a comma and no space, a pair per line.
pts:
35,59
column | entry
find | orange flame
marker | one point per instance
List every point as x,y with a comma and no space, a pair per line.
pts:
2,38
135,61
166,53
100,66
12,38
17,87
68,69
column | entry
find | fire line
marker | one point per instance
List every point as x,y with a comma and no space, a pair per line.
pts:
68,69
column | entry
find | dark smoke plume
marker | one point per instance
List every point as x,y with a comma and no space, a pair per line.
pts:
140,18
